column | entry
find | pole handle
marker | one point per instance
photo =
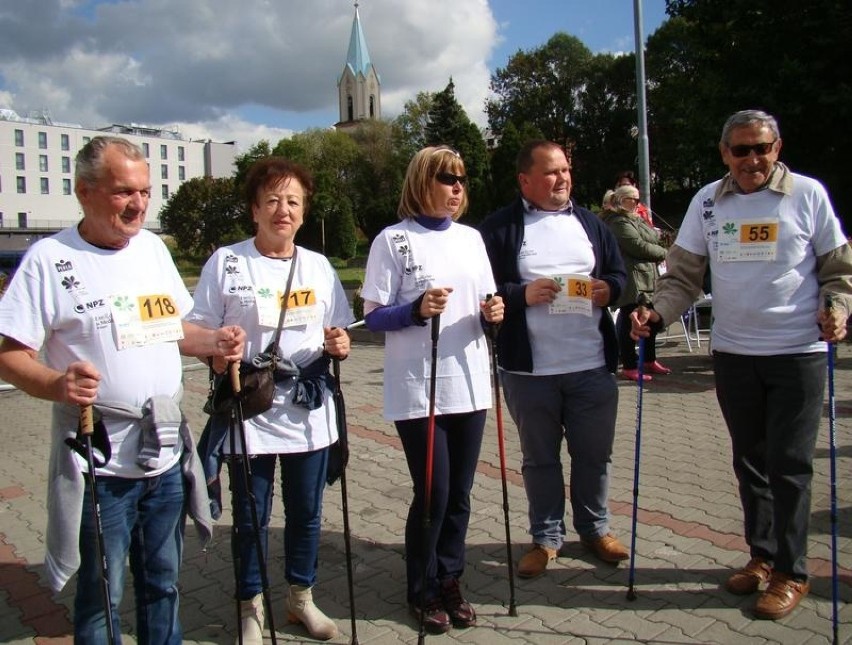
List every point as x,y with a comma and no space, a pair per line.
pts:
436,328
87,420
234,371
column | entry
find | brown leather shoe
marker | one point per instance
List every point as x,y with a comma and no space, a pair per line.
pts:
781,596
748,579
606,548
535,561
435,620
461,613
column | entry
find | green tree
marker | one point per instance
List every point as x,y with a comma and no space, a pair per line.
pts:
504,174
708,61
376,180
330,155
410,126
449,124
542,87
204,214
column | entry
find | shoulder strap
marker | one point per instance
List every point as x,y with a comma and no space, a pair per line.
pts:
277,337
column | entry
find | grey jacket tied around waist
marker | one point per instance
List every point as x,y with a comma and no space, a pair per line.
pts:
312,382
66,483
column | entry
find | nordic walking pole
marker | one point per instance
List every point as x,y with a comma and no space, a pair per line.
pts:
343,434
247,485
235,532
87,427
501,445
631,593
430,457
832,442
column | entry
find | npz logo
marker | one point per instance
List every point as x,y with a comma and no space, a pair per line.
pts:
411,269
63,265
70,282
708,203
94,304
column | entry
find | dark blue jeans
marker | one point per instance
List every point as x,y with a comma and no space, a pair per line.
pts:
579,408
458,439
302,485
143,518
772,406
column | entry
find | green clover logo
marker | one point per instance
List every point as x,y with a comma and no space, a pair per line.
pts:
729,228
264,293
123,303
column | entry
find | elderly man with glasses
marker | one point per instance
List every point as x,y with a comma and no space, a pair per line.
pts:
781,271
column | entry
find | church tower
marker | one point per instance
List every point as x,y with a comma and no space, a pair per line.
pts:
359,87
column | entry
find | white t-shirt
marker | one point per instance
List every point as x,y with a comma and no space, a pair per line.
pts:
63,297
235,284
768,305
556,244
405,260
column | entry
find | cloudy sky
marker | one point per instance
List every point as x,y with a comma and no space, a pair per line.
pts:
246,70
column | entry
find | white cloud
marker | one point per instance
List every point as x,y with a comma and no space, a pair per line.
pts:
200,63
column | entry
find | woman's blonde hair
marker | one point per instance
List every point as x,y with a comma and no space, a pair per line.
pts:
416,196
624,191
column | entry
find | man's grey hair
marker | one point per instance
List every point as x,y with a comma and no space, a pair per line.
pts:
89,161
745,118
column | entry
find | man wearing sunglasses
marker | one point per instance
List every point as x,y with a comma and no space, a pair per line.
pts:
777,257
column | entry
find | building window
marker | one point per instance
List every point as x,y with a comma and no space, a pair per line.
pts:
66,186
164,152
45,186
181,173
372,107
86,140
165,191
42,163
42,140
146,150
22,185
181,153
66,164
164,171
19,138
63,142
22,220
19,161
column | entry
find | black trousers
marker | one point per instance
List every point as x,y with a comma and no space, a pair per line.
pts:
772,406
458,439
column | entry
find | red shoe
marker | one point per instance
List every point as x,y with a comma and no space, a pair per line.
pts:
656,368
633,375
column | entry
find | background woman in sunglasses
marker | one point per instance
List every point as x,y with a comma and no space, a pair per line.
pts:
422,267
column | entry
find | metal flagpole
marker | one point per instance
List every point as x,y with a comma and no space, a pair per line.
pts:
641,108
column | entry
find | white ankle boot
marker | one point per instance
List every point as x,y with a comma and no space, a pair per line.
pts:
301,609
251,620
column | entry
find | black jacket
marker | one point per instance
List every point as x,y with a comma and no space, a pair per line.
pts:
503,233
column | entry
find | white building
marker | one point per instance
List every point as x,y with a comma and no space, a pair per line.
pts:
37,168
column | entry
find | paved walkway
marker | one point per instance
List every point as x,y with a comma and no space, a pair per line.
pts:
688,535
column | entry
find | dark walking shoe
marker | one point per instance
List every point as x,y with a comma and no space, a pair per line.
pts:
461,613
436,620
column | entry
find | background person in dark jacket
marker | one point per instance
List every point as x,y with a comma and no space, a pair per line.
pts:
558,268
641,252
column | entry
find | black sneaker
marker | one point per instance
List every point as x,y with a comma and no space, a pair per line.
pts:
435,620
461,613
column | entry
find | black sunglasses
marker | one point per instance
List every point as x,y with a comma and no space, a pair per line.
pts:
449,179
744,150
